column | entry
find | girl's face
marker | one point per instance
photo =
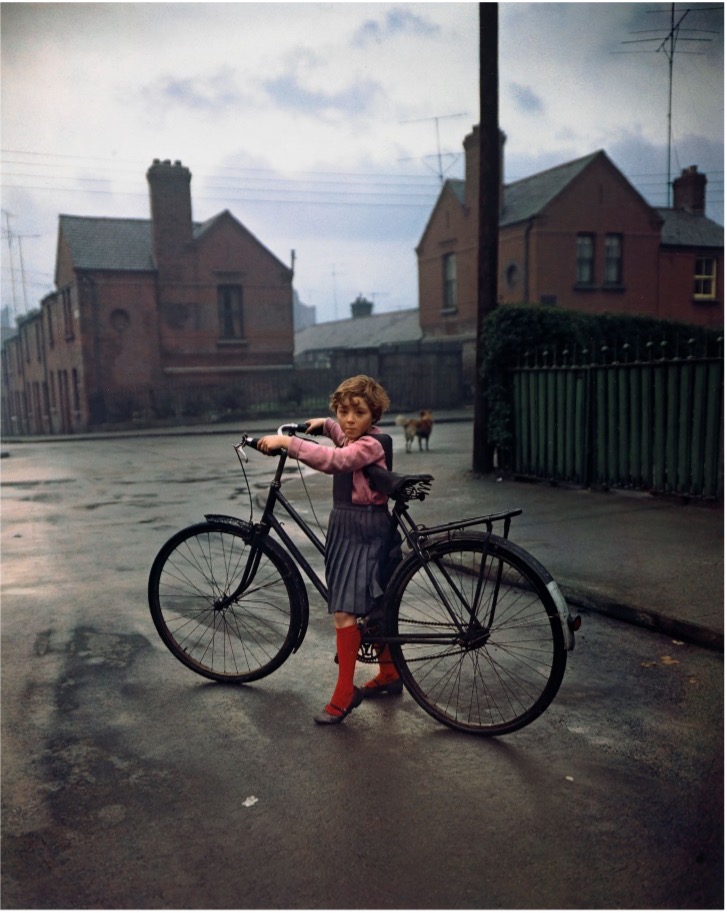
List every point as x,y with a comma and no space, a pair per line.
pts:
354,417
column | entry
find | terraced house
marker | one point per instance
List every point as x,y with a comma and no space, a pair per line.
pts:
578,236
148,313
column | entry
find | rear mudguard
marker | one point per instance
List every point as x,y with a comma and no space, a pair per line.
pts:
247,530
569,623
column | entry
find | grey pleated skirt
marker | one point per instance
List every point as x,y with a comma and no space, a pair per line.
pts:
354,544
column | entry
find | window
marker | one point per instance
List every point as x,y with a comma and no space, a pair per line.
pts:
49,315
612,270
67,313
705,278
76,390
229,304
585,260
449,270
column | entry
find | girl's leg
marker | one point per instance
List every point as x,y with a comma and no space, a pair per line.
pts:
345,697
387,681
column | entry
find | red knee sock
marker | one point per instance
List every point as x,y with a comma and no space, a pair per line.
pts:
387,669
348,641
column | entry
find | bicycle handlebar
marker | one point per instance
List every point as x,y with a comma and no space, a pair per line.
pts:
290,429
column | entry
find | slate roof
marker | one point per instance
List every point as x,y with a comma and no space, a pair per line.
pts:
113,244
529,196
684,229
360,332
122,244
526,198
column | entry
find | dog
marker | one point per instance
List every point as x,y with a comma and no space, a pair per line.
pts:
420,428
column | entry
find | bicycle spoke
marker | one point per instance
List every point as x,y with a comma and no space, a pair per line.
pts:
491,661
204,615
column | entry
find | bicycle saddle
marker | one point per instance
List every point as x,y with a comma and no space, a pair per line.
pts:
398,487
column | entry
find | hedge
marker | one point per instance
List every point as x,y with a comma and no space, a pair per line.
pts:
514,335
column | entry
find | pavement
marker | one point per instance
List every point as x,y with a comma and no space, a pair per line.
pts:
652,561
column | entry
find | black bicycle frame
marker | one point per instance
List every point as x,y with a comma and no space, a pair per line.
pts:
415,536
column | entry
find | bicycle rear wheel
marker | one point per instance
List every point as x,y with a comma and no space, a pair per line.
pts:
481,643
226,613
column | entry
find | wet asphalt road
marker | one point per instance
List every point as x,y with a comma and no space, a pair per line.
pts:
128,782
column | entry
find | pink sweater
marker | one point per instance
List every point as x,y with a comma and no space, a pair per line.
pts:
344,457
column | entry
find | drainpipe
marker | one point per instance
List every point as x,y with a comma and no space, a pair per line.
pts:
96,401
526,266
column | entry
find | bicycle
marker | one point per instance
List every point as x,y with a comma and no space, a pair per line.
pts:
478,629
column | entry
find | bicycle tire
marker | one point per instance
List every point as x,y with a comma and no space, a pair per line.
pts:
498,677
222,634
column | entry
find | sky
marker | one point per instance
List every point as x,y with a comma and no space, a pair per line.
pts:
327,128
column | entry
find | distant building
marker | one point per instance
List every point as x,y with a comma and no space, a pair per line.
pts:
8,329
578,236
317,345
143,309
304,315
417,373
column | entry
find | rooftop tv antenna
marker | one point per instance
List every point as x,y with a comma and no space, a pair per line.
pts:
668,45
9,236
436,119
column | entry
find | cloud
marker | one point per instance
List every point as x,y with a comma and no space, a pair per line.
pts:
397,21
288,92
215,92
526,99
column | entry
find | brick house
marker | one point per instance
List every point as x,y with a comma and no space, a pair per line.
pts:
577,236
143,310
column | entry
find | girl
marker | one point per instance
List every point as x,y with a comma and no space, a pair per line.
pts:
357,530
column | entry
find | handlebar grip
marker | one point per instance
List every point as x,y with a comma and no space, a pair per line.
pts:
254,441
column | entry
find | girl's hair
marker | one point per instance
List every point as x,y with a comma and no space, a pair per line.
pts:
367,389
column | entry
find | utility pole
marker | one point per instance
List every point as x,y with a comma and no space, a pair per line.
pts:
335,294
489,220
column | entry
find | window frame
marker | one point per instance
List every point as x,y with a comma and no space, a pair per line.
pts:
231,325
702,276
67,313
581,238
609,260
449,283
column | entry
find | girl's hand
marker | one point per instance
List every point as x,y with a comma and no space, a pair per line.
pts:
315,425
273,442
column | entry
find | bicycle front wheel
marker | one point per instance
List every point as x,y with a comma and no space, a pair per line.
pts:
227,610
476,634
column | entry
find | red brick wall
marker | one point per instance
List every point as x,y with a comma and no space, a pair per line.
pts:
676,288
451,228
190,328
598,202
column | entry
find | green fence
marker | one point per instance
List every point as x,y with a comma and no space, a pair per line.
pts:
654,425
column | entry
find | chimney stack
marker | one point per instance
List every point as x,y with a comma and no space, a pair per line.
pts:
472,168
361,307
171,215
690,190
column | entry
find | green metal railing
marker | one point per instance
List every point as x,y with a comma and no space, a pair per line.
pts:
648,424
